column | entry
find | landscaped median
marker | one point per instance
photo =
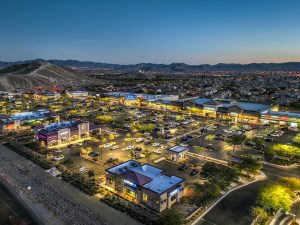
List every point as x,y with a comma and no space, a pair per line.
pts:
274,197
214,200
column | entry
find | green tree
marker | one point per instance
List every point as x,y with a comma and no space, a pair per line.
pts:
250,165
198,149
273,197
289,152
296,139
259,213
91,174
236,140
210,138
291,183
170,217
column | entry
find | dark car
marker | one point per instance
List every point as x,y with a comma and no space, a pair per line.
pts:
210,148
194,172
203,130
259,147
219,138
112,160
269,139
249,143
94,154
183,167
189,136
138,149
147,142
183,139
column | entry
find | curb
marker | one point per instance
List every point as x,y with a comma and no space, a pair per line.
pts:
221,198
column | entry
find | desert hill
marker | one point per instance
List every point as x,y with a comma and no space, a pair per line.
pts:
36,73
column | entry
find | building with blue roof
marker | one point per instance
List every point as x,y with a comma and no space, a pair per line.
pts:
16,120
145,184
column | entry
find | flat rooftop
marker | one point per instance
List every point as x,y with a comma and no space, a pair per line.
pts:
281,113
61,125
158,183
30,115
177,149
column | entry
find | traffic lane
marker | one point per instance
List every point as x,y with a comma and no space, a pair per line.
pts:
235,208
275,173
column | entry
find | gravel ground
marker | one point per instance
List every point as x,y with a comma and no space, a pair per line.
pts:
64,201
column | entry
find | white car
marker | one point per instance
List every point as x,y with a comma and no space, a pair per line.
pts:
58,158
155,144
81,169
139,140
108,145
227,131
147,134
114,147
129,147
157,151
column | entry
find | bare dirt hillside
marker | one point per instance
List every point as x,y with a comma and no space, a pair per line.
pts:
29,75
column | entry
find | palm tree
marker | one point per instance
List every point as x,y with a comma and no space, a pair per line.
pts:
91,174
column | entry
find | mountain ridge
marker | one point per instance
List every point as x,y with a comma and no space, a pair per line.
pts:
173,67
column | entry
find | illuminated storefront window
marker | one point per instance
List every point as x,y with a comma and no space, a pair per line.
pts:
145,197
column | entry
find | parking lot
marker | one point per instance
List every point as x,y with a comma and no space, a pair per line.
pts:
146,135
220,149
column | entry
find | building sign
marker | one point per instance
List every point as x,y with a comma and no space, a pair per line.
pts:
129,183
209,108
84,128
63,133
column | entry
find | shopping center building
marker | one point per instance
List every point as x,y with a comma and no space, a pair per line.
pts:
145,184
15,121
287,119
62,133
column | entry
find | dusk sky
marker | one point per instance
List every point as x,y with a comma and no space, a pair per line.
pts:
157,31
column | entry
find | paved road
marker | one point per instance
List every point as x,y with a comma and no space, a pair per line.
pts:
11,211
235,209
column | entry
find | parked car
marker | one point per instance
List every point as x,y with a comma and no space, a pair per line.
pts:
94,154
129,147
269,139
147,142
155,144
81,169
114,147
249,143
112,160
139,140
183,167
157,151
210,148
107,145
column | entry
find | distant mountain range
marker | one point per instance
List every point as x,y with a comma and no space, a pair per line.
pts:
174,67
